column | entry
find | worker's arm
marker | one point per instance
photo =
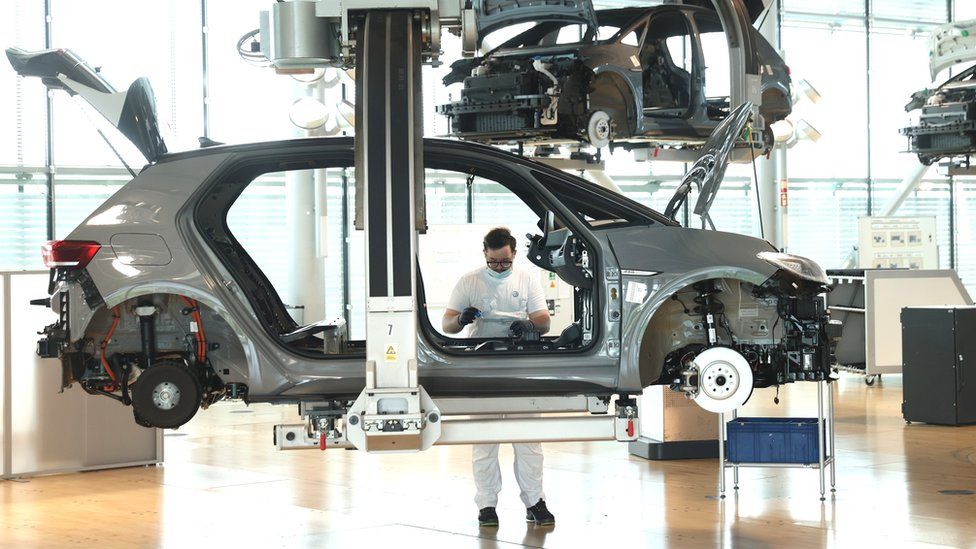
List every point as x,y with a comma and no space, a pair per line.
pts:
541,320
537,308
449,324
452,323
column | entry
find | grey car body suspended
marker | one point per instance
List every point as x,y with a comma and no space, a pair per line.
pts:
650,295
599,91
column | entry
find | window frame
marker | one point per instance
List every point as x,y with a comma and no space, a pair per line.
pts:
696,60
223,188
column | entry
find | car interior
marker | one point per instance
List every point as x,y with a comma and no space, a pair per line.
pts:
715,51
564,259
667,86
555,251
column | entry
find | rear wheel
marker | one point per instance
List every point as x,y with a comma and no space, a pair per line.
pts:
166,395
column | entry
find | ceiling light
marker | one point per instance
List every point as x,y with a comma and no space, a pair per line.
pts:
308,113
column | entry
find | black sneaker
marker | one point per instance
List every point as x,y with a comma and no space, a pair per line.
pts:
539,514
488,517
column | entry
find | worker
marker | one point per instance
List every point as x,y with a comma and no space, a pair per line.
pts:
501,301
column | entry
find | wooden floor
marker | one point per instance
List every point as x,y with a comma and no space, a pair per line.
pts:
224,485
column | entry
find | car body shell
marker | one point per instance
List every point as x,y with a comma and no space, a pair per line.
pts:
611,59
160,205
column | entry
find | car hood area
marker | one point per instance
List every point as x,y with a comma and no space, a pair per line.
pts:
498,14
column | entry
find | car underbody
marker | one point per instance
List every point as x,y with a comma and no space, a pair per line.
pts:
779,327
947,122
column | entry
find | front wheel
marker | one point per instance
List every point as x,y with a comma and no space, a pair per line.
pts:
724,380
166,395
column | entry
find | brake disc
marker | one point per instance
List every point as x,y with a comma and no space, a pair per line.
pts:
724,380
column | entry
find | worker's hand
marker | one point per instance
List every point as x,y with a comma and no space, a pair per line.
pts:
467,316
519,327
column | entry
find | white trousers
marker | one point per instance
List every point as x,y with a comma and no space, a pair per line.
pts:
488,475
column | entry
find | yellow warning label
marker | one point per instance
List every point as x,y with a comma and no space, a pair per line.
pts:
391,353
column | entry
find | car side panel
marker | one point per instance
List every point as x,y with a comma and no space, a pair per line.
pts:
147,205
285,374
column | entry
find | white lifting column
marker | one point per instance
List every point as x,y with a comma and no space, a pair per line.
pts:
393,413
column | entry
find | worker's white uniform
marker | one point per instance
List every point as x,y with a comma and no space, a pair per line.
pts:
501,301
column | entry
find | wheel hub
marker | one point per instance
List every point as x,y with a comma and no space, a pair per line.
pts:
724,380
166,396
719,380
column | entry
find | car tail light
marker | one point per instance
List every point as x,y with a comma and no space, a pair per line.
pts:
70,254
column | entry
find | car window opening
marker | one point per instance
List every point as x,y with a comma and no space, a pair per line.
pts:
666,56
560,262
548,258
717,75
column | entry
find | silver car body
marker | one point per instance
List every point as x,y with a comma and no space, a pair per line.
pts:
164,252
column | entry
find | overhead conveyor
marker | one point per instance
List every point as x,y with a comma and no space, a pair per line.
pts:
387,43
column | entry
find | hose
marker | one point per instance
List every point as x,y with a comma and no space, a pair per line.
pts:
200,334
105,341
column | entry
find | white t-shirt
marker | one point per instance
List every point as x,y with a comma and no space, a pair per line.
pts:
501,301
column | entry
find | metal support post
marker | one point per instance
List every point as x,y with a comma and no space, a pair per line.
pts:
769,174
735,466
833,448
820,436
464,429
721,456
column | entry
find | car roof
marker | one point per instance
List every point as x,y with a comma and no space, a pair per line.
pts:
438,145
621,17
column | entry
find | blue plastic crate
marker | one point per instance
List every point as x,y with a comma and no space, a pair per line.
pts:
773,440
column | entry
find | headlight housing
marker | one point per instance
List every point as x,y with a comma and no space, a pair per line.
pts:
802,267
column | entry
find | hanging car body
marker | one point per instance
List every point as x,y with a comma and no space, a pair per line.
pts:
946,125
632,75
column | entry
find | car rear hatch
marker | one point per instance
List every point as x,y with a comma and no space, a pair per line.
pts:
496,14
133,111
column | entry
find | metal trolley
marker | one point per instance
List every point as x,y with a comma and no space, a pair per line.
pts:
826,455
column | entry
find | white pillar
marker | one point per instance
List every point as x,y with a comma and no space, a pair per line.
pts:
771,172
305,208
782,201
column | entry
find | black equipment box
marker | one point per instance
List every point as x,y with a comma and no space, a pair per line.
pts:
939,355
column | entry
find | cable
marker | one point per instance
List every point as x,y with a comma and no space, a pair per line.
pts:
755,178
200,334
685,307
105,341
257,59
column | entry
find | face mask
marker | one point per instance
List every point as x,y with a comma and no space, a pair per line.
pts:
499,276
